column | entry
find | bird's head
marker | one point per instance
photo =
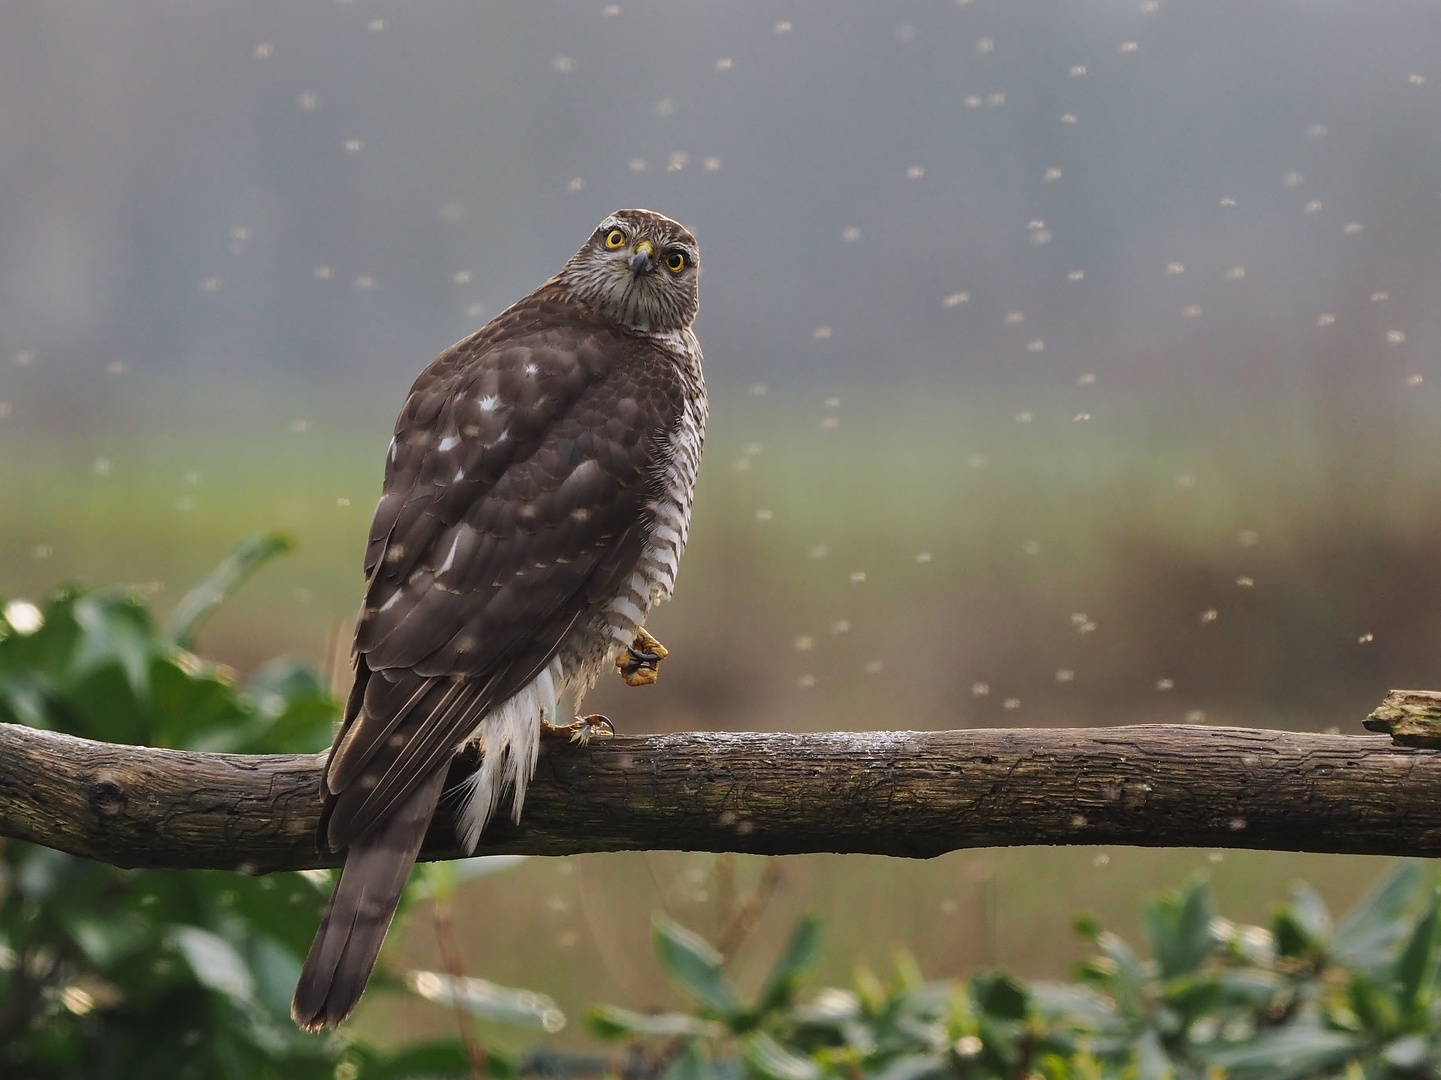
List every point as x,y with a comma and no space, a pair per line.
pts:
639,268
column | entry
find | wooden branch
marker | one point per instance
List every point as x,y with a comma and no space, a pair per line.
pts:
913,794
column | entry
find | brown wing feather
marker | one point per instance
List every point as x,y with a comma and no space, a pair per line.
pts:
516,495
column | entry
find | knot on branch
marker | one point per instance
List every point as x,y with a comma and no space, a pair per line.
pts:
106,797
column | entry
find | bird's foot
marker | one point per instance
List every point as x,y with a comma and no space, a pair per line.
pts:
639,663
581,730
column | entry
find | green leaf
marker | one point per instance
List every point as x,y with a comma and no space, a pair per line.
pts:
102,704
109,938
1118,972
831,1007
1303,926
215,962
770,1060
1415,967
1190,998
1407,1052
999,1048
908,972
999,995
1310,911
1079,1005
276,970
293,709
692,1063
1252,987
1289,1053
611,1022
1373,1006
1179,927
441,1057
47,652
1368,935
487,1001
869,989
116,628
1290,934
1151,1060
193,706
201,601
696,968
914,1067
800,954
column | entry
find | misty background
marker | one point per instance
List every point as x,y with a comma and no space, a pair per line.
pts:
1071,363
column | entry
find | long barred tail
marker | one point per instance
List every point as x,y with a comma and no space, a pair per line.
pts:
348,942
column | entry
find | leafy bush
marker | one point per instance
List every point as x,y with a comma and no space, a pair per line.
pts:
118,973
1298,1000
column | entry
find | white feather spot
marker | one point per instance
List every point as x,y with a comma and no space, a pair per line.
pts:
489,403
450,442
459,476
530,369
450,556
394,597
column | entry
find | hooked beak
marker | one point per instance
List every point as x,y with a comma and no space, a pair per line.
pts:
640,261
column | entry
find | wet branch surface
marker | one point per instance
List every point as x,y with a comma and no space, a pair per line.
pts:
913,794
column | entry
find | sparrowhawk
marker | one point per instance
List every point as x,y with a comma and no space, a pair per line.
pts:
537,500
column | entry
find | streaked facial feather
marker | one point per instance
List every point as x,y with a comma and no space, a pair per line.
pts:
657,300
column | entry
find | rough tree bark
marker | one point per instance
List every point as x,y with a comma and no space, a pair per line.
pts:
913,794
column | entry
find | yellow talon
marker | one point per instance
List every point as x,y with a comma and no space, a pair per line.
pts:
581,730
639,664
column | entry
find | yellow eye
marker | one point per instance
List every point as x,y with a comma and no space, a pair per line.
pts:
615,239
675,262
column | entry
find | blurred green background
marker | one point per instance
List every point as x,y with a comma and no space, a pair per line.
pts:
1071,364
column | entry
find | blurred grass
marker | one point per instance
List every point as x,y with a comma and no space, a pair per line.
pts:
862,564
1136,520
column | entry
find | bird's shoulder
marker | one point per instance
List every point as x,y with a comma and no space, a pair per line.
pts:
547,366
546,338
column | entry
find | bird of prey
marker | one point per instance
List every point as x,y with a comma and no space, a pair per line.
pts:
537,500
